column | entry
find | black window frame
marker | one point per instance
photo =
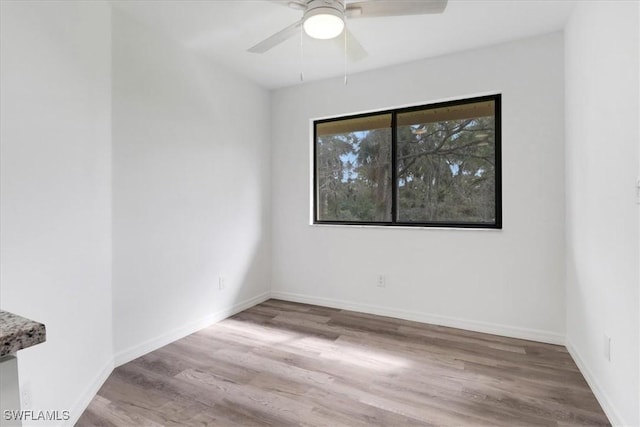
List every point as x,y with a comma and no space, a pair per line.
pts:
497,224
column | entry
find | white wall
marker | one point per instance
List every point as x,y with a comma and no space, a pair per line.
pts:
55,243
509,281
191,195
602,144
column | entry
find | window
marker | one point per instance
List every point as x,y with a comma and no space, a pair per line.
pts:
433,165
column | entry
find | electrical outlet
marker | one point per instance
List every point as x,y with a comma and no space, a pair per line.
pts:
382,281
25,396
607,347
222,283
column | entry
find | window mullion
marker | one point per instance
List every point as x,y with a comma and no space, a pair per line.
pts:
394,168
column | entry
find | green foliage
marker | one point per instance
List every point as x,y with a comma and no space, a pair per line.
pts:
445,173
353,174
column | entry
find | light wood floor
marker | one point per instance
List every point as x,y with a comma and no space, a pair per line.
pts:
281,363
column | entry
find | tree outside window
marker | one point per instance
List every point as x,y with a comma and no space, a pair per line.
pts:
433,165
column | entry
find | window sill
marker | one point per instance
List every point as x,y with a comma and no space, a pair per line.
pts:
406,227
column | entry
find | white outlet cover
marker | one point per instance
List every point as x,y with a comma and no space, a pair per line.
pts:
25,397
607,347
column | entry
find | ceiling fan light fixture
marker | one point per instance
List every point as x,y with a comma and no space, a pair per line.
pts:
323,23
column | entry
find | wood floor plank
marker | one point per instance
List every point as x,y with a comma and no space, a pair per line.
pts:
281,363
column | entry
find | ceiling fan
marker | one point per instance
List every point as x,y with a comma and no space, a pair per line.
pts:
325,19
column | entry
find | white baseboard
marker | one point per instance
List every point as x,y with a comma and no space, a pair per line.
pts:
434,319
472,325
140,350
155,343
85,398
610,411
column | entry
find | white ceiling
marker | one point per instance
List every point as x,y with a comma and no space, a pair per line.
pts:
225,29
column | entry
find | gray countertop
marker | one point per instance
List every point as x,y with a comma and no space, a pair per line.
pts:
17,332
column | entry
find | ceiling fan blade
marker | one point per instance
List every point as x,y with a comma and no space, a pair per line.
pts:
297,4
355,51
293,4
376,8
276,39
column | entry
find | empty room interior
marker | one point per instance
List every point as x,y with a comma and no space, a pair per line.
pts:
216,213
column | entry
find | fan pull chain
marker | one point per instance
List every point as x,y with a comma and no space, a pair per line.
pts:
346,80
301,54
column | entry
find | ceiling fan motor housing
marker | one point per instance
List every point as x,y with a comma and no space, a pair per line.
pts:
326,19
